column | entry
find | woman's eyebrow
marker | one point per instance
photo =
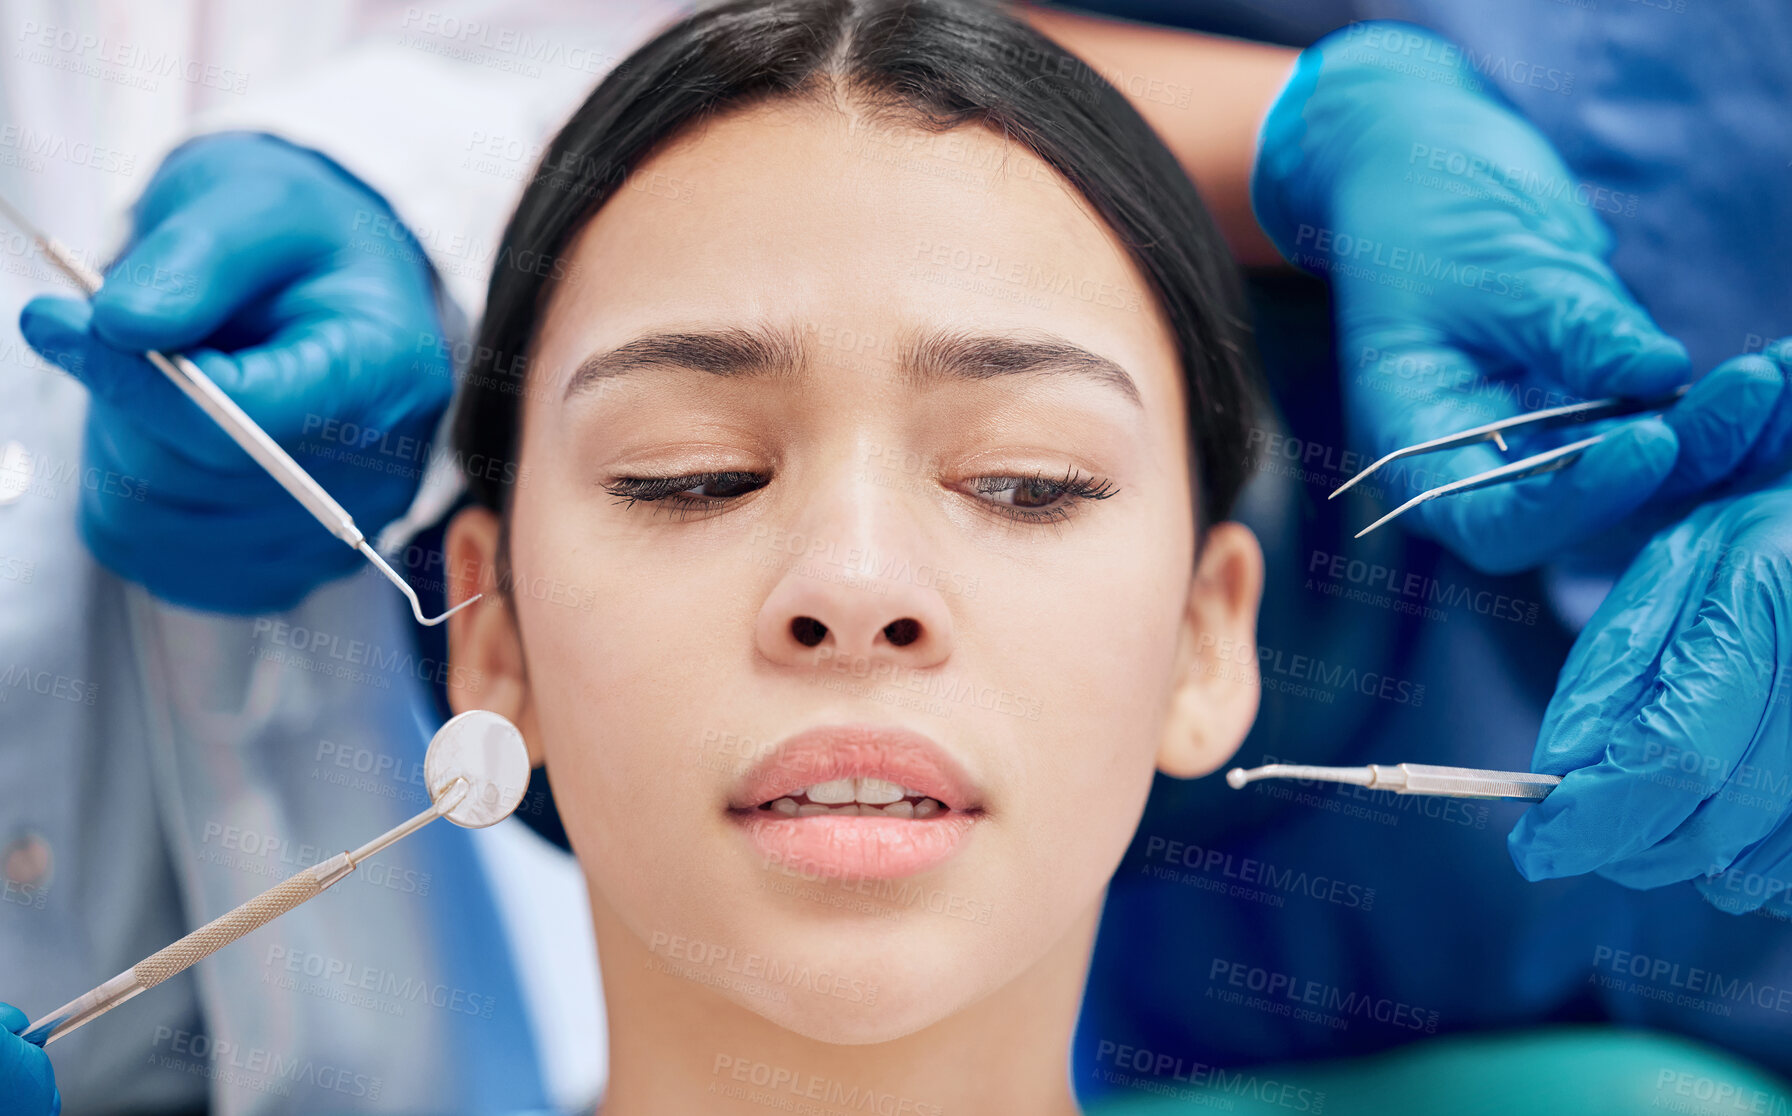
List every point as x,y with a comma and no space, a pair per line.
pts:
960,355
925,360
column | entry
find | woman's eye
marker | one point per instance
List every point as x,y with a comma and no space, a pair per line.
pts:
697,490
1034,498
1042,498
722,487
1022,491
1030,492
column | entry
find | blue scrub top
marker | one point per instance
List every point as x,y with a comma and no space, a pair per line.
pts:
1310,921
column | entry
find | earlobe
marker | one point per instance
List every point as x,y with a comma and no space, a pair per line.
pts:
1216,684
485,650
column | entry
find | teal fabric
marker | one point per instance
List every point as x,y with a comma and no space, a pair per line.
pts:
1586,1071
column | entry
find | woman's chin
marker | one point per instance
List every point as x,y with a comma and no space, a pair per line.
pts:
893,1015
854,981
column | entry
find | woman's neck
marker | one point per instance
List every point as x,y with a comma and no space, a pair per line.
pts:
679,1046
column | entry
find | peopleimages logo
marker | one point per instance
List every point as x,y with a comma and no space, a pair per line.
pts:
1285,991
747,1077
1274,663
1249,872
1403,51
1148,1071
759,967
1687,985
1328,249
1414,591
1527,184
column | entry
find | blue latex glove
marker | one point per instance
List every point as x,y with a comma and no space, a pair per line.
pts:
1468,272
1672,719
296,289
27,1084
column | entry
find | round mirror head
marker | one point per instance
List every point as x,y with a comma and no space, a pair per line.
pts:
488,752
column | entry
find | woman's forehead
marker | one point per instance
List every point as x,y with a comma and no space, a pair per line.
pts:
806,213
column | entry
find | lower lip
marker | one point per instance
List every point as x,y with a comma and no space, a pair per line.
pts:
855,847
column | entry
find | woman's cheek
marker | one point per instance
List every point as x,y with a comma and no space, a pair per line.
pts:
1110,719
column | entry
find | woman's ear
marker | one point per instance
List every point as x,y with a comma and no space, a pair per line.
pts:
485,648
1214,700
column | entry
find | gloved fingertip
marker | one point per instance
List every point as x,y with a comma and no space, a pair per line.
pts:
1617,474
57,329
12,1018
1656,365
1721,421
1762,383
1544,848
130,322
1642,452
1745,381
66,314
153,297
1532,863
1608,346
1757,366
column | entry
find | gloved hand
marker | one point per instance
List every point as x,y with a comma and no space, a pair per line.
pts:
1672,719
27,1084
297,290
1468,273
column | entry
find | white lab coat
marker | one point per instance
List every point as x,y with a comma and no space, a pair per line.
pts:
158,766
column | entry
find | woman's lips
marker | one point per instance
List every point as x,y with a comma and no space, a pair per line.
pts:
864,763
828,848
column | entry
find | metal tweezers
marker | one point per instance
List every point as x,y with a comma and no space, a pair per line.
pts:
1410,778
1535,465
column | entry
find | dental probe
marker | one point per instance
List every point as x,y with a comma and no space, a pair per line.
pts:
226,928
234,421
1410,778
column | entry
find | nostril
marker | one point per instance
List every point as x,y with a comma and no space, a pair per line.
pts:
902,632
808,630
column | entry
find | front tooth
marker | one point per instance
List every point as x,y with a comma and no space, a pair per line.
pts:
785,806
927,807
900,809
850,810
877,792
834,792
809,810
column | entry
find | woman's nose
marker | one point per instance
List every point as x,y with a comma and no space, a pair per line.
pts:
819,611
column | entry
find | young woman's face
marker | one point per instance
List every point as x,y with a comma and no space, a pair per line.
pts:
854,471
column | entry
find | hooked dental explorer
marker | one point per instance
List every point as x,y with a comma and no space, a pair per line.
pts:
1410,778
234,421
477,769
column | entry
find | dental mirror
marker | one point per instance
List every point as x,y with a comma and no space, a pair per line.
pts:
488,752
477,769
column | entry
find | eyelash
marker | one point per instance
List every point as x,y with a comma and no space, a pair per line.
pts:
670,490
1075,484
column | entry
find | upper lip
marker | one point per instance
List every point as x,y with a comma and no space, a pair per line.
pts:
829,752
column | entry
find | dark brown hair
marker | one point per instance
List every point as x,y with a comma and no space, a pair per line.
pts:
938,64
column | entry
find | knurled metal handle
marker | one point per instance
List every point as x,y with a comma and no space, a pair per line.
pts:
226,928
